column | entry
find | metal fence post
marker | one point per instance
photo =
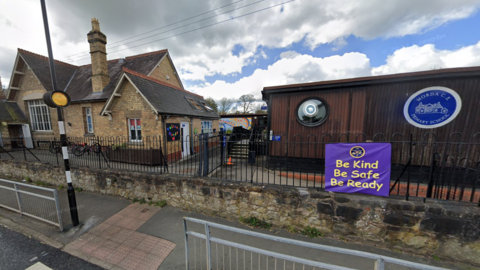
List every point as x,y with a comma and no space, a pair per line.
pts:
56,151
205,155
207,243
100,152
57,205
24,154
186,243
200,155
379,264
410,159
222,148
19,200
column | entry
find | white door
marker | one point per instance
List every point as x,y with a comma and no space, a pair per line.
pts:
27,136
185,133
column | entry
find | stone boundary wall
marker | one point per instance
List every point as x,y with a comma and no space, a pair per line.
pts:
445,229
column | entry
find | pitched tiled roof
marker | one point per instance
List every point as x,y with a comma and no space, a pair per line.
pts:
11,112
166,98
160,82
77,79
41,67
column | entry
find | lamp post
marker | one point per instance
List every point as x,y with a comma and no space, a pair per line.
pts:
58,99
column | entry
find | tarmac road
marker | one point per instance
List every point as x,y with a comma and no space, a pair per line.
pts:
18,252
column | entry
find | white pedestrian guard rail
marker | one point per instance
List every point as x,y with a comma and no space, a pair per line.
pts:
36,202
233,255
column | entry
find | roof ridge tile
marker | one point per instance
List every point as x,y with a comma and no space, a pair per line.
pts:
146,54
131,57
158,81
42,56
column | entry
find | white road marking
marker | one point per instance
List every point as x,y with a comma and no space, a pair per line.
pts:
39,266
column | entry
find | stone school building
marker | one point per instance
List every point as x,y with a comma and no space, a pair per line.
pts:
130,98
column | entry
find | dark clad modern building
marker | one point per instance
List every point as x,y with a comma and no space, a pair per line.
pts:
372,109
371,105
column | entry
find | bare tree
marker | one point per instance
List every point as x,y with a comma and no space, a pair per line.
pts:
3,93
4,88
246,103
224,105
211,102
258,109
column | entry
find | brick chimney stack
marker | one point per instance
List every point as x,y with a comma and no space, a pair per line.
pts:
98,54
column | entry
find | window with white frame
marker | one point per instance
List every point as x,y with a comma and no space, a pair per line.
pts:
89,120
39,115
135,129
206,126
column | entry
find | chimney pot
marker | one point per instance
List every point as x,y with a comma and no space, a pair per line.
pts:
95,25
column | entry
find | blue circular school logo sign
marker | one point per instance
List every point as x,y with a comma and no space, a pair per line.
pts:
432,107
357,152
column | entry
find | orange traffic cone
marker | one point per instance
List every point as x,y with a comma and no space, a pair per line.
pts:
230,161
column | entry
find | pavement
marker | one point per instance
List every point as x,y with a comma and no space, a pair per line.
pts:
117,234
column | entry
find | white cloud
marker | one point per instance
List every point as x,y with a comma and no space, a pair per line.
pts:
427,57
305,68
302,68
208,51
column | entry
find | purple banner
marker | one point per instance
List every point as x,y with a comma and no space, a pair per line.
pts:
358,168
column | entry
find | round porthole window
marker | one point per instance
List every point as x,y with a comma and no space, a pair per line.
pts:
312,112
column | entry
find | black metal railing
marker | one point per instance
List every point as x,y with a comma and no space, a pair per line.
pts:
96,152
421,166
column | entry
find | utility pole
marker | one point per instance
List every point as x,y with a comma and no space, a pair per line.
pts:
58,99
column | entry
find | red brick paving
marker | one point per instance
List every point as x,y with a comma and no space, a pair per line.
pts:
117,243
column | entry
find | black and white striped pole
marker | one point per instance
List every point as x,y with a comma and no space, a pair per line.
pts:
58,99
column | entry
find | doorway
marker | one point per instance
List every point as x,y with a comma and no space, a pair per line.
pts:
185,135
20,136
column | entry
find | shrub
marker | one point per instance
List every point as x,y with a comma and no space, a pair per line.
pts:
119,146
292,229
256,223
311,232
161,203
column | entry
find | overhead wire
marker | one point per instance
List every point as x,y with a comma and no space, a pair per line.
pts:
179,27
183,20
203,27
189,31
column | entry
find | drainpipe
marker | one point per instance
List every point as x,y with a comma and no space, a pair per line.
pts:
191,136
164,138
